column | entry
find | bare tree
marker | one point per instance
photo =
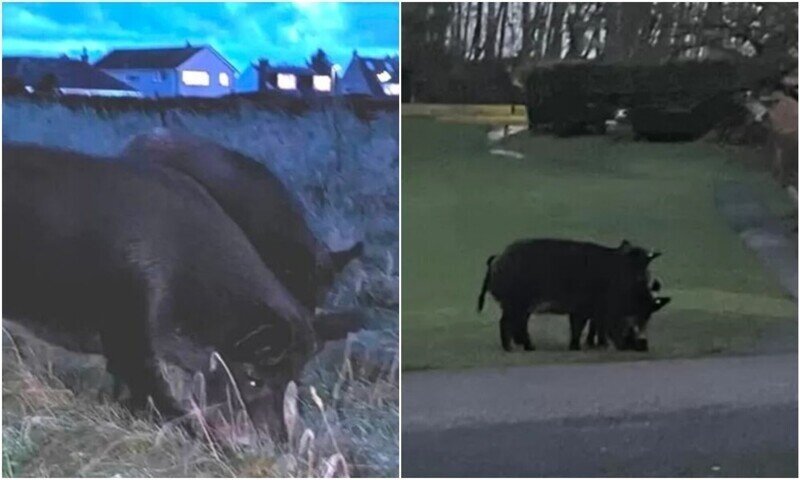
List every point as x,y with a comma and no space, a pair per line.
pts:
476,33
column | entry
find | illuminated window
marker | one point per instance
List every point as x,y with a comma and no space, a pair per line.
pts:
195,78
287,81
322,83
391,89
224,80
384,76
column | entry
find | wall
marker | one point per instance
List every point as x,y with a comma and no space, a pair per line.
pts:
353,81
248,80
148,82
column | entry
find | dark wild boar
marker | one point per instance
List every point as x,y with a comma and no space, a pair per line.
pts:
596,337
257,201
583,280
144,265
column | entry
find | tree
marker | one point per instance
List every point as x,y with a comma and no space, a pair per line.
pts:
503,19
320,63
476,33
47,85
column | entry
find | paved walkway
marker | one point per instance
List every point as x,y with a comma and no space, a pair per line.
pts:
775,246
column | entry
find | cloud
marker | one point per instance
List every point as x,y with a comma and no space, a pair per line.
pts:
244,32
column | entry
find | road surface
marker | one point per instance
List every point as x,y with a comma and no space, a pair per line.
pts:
731,416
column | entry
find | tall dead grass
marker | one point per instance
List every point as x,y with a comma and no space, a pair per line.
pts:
340,424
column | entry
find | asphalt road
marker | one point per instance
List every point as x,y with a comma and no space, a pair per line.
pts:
733,416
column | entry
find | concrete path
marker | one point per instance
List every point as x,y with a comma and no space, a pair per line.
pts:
647,418
761,231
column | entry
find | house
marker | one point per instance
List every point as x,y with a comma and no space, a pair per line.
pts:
248,79
172,72
376,77
67,76
294,80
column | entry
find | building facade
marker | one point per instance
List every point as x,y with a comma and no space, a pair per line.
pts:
373,76
172,72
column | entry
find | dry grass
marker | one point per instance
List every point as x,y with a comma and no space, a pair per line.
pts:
57,422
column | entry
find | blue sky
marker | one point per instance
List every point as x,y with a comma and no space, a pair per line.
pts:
243,32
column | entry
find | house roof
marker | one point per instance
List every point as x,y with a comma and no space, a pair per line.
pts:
290,69
70,73
153,58
371,67
147,57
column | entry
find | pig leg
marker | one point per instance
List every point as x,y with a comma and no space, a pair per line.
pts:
132,359
505,332
602,338
521,335
576,324
591,337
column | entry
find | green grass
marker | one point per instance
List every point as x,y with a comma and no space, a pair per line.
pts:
462,204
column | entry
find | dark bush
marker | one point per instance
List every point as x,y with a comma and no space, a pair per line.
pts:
685,99
13,86
47,85
457,81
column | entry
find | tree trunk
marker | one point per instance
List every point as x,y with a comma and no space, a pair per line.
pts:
503,20
492,20
476,34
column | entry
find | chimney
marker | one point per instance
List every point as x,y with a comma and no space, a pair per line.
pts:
263,65
188,45
85,56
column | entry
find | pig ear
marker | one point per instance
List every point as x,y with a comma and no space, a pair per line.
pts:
330,326
656,286
652,255
341,258
660,302
625,246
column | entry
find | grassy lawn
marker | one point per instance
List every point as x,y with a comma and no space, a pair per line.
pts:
461,204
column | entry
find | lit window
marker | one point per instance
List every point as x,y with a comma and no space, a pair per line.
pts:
224,80
391,89
384,76
195,78
322,83
287,81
